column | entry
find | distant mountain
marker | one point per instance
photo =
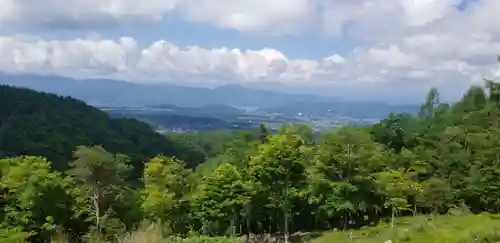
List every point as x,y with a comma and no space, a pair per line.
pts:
229,103
111,92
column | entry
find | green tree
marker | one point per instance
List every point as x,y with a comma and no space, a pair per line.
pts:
394,185
36,201
341,174
262,133
278,171
429,107
436,195
301,130
221,195
167,184
100,175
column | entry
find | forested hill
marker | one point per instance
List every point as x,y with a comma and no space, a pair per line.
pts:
254,184
34,123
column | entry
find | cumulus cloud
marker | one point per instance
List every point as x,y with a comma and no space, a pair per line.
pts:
161,60
407,43
164,61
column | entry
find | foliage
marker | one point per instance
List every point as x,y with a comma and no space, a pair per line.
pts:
13,235
166,186
253,182
35,201
52,126
220,197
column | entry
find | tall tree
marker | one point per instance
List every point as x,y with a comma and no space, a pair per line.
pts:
341,174
428,108
222,195
278,170
165,191
100,175
262,133
394,185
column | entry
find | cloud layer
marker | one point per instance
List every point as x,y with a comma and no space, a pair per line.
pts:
410,43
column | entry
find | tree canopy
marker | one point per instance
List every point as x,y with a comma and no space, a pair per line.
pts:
252,182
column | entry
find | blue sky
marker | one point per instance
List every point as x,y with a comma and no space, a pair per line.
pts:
355,49
184,33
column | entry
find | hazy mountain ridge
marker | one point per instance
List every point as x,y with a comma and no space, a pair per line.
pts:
113,92
197,108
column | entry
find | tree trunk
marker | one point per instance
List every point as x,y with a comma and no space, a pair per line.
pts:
285,219
344,219
97,210
285,212
393,217
270,224
235,220
248,209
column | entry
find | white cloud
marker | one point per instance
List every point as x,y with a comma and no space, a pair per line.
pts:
162,60
263,16
78,56
284,16
412,44
82,13
277,16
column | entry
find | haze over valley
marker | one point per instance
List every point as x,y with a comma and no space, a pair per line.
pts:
180,108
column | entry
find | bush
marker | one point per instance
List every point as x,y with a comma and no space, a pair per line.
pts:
13,236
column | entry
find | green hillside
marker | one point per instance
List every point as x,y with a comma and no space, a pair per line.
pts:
42,124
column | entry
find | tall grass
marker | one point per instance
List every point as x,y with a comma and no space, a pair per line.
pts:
440,229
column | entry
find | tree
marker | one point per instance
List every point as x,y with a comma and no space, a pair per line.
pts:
341,174
397,131
100,175
167,184
278,171
302,131
435,195
222,195
474,99
394,185
262,133
428,108
36,202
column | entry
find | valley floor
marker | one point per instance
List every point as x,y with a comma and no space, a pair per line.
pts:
424,229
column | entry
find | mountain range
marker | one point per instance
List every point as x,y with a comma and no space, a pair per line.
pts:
112,92
206,108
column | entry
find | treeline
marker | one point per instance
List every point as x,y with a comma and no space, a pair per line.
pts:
447,156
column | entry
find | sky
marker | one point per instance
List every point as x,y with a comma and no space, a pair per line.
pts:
356,49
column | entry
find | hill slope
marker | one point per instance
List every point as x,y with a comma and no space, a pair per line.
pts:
34,123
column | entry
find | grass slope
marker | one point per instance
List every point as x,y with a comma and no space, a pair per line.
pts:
424,229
